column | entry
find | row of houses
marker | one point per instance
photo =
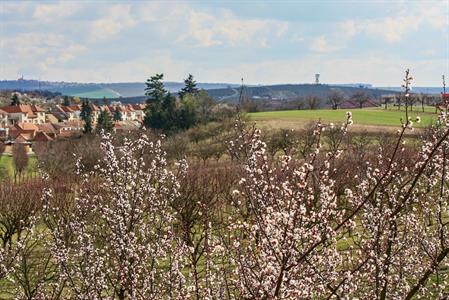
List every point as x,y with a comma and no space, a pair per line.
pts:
28,113
30,123
129,112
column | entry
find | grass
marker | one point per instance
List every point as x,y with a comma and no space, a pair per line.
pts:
417,108
97,94
374,117
7,166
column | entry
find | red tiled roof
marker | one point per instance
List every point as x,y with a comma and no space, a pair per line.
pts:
28,109
36,108
65,109
42,137
15,132
138,106
26,126
24,137
47,128
75,107
95,108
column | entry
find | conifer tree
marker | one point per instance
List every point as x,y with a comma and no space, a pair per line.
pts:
104,122
189,87
15,101
117,115
86,116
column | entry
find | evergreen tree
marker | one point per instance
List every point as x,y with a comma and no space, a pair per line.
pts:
155,117
163,111
155,89
106,101
189,87
86,116
88,125
117,115
15,101
104,122
187,116
66,101
163,114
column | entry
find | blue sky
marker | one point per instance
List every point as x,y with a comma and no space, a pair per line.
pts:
265,42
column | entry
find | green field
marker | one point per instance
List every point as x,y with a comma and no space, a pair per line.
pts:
97,94
7,166
375,117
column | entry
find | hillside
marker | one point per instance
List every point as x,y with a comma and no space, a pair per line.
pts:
291,91
97,90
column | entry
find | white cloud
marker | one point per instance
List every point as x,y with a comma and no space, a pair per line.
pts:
56,11
38,52
135,70
392,29
371,68
226,29
13,7
117,18
205,28
50,50
408,19
349,28
322,45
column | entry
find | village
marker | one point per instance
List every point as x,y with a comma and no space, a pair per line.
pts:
31,123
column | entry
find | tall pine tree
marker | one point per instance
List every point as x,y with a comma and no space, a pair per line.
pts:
86,116
189,87
117,115
156,115
154,89
163,111
15,101
104,122
66,101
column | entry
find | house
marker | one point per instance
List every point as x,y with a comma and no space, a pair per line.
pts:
26,113
69,129
50,118
48,129
67,113
95,112
3,118
42,137
131,113
28,130
126,126
126,111
4,133
23,138
139,110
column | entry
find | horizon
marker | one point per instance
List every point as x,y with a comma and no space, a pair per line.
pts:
231,83
265,43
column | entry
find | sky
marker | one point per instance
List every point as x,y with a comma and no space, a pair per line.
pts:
264,42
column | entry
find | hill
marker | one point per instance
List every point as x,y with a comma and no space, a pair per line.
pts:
97,90
291,91
418,89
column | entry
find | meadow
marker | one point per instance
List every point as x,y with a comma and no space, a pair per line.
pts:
97,94
367,116
7,166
